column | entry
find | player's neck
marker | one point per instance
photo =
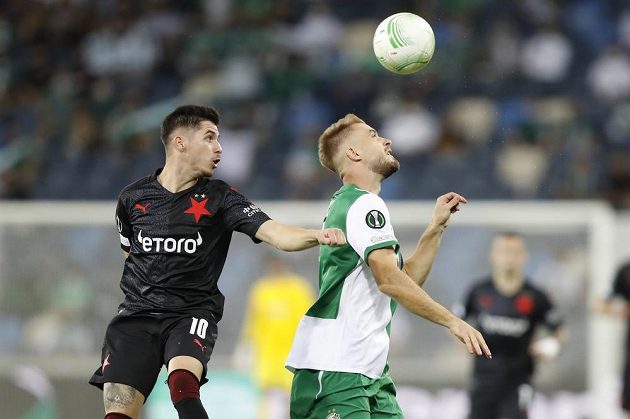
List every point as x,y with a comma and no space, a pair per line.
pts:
174,180
508,284
370,182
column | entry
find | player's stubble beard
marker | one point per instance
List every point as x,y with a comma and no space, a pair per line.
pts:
385,167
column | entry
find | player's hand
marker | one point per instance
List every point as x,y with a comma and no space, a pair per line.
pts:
546,348
470,337
446,205
331,237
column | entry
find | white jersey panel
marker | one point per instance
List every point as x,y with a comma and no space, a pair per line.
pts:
368,225
356,341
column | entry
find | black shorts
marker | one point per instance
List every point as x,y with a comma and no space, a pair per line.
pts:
136,346
496,396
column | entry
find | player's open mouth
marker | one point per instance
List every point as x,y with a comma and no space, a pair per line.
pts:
216,162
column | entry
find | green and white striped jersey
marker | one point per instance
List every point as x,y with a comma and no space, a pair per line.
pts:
347,329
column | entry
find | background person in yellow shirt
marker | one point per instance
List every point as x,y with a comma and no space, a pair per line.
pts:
275,306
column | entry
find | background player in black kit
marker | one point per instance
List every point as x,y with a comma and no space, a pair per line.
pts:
508,310
617,303
175,229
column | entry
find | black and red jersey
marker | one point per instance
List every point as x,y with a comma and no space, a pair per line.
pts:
178,243
508,323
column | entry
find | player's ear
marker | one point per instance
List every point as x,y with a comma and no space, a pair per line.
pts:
178,143
353,154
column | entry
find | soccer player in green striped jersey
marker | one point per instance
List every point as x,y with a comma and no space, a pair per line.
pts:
339,354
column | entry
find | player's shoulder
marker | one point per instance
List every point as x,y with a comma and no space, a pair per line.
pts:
135,186
218,186
355,197
535,289
483,284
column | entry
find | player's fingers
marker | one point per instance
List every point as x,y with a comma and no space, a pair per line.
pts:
466,340
442,199
324,238
342,237
484,345
455,200
475,344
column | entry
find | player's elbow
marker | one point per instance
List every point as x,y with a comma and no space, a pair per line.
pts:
286,247
386,284
388,289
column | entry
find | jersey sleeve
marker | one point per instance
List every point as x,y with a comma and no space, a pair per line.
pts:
241,215
368,226
550,316
124,226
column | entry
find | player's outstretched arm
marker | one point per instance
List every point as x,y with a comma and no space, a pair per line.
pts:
291,238
419,264
395,283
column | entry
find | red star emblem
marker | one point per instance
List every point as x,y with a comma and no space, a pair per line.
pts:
524,304
198,208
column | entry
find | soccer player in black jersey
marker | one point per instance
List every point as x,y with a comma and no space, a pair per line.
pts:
508,310
617,303
175,228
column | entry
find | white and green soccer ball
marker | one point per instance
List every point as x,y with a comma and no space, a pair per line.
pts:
404,43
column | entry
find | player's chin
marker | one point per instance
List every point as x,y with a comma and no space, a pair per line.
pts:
391,167
208,172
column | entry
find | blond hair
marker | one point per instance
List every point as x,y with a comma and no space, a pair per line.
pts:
332,137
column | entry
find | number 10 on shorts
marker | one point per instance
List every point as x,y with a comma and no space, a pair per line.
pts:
199,327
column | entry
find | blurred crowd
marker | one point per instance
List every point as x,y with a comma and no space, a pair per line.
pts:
524,99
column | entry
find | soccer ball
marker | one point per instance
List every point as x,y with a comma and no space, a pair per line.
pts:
404,43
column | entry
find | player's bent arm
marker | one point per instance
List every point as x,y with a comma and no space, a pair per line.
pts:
397,284
418,266
125,254
291,238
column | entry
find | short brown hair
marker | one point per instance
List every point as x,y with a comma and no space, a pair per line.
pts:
332,137
187,116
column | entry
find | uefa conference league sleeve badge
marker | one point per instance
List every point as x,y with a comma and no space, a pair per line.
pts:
375,219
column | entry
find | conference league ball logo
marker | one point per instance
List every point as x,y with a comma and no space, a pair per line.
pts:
375,219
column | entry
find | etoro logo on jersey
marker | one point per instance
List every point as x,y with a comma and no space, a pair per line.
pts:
375,219
169,244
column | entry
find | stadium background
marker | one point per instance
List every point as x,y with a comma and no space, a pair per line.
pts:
524,100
